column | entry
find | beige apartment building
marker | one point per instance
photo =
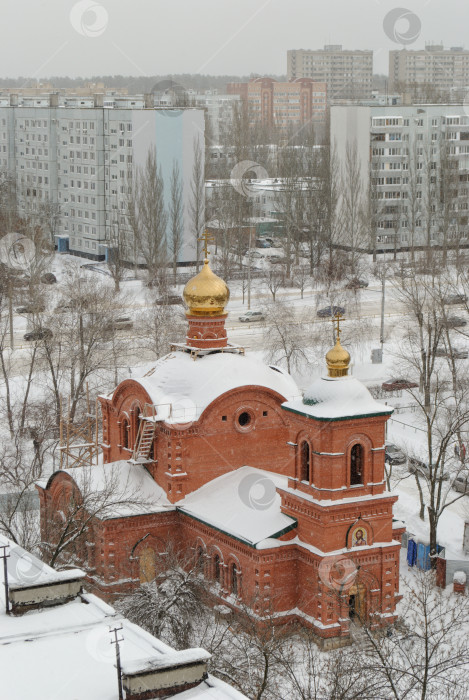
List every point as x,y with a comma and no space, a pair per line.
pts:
442,69
347,74
284,105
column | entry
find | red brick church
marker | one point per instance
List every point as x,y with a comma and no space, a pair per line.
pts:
281,497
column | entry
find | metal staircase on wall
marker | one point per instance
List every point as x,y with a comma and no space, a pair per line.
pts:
146,434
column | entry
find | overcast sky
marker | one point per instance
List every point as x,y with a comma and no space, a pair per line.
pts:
40,38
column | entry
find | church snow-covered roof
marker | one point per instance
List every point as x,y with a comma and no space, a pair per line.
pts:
182,388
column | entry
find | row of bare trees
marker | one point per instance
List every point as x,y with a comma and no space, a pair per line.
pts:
149,229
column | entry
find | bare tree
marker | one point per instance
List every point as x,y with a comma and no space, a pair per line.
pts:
441,399
160,326
273,280
301,277
176,216
94,492
197,198
82,343
171,604
352,205
286,339
148,216
117,252
426,656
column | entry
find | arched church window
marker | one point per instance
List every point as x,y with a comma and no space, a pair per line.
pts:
234,579
305,456
199,560
356,465
135,423
125,433
216,568
147,565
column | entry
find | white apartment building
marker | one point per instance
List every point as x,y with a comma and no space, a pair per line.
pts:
418,160
441,69
348,74
78,155
218,107
219,110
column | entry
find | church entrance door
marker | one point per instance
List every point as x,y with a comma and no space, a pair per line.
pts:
356,603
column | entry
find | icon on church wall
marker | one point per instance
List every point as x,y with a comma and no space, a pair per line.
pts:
359,538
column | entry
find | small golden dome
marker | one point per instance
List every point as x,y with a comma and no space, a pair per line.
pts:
206,294
338,360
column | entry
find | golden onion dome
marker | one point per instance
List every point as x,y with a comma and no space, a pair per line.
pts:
338,360
206,294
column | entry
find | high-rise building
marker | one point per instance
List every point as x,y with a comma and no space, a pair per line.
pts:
78,152
347,74
439,68
284,105
418,160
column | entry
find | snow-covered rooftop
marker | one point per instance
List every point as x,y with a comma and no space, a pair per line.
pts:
118,489
244,503
65,651
337,398
182,388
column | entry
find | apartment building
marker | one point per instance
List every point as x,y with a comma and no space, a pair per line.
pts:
347,74
284,105
219,109
441,69
78,153
418,160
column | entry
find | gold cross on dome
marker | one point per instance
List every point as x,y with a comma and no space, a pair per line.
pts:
337,319
206,237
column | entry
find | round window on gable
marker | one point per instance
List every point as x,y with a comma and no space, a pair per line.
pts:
244,419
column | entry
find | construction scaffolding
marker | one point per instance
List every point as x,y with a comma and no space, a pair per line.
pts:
79,441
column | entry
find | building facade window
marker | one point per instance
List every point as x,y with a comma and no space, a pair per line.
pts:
305,462
356,465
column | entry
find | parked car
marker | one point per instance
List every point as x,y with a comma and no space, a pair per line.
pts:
393,455
274,259
398,384
456,353
461,484
455,299
329,311
455,321
48,278
419,466
262,243
253,254
39,334
30,309
356,283
252,316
